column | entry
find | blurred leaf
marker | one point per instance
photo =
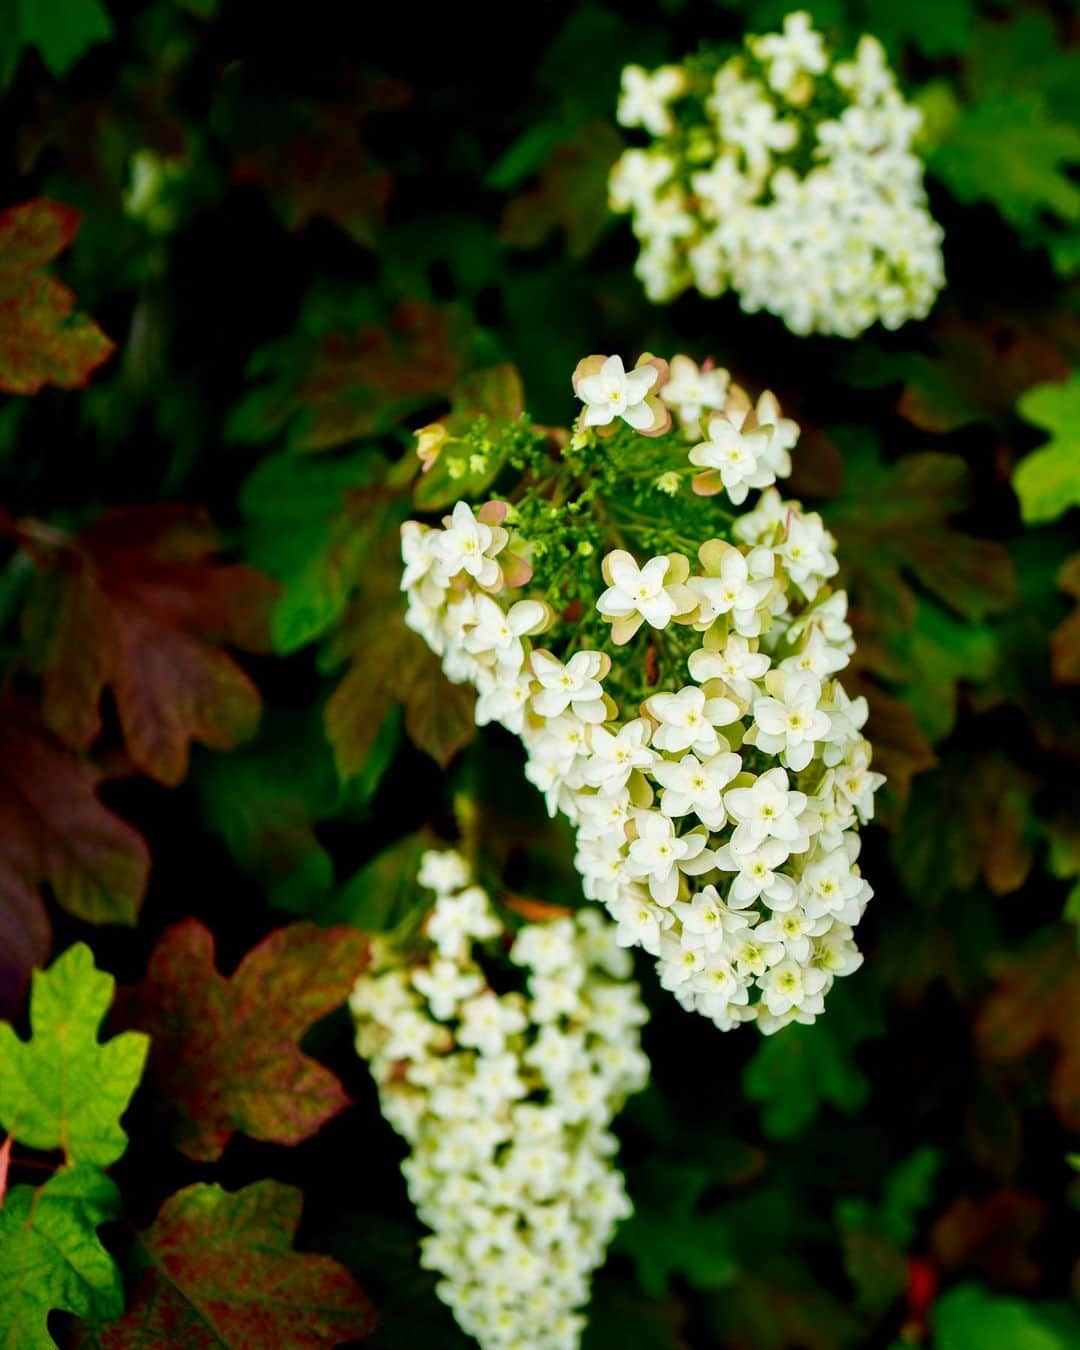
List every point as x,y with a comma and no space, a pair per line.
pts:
877,1237
41,340
941,29
310,155
671,1231
217,1269
990,1237
968,1318
974,816
763,1313
384,895
62,31
1047,480
323,388
225,1050
54,828
977,367
1037,1000
571,194
1065,639
895,521
1009,149
800,1069
137,603
53,1258
63,1088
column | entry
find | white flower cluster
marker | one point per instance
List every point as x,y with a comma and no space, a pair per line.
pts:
718,821
505,1100
787,176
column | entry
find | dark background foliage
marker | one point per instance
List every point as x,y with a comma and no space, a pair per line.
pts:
301,228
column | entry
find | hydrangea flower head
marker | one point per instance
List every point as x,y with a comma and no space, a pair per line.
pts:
785,174
682,707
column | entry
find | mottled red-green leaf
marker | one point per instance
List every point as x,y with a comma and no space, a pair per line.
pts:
138,602
391,664
356,381
42,340
989,1237
571,194
895,521
1065,642
217,1269
54,829
976,368
1037,1001
225,1049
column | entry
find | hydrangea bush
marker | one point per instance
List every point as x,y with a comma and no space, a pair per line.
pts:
671,668
505,1099
785,174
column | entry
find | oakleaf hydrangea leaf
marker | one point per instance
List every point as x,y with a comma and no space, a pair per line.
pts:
1008,149
218,1270
41,340
1048,480
62,31
64,1088
226,1050
52,1257
969,1318
793,1076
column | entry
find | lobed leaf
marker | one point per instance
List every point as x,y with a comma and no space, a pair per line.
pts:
217,1269
42,341
225,1050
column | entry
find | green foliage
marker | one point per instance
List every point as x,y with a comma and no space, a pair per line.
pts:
53,1257
307,241
61,31
795,1075
63,1088
968,1318
1047,481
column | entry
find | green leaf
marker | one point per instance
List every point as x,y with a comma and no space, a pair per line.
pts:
968,1318
876,1237
383,895
64,1088
1047,481
266,801
308,527
51,1257
796,1072
940,29
61,30
671,1231
1009,149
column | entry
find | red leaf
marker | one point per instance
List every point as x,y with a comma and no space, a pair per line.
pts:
225,1050
41,340
53,828
137,602
1037,1000
218,1270
990,1237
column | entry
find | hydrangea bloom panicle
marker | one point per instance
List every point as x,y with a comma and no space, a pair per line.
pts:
783,174
717,790
506,1102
